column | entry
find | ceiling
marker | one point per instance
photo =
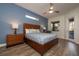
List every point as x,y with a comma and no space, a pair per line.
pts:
41,8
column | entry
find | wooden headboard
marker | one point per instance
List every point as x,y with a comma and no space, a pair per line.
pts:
30,26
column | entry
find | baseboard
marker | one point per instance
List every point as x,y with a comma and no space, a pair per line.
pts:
2,45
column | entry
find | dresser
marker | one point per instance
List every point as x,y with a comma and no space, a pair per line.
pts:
13,39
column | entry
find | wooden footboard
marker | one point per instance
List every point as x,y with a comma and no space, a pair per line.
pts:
41,48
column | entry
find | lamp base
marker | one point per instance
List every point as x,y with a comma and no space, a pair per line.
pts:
15,31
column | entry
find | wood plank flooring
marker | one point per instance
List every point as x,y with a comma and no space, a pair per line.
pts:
63,48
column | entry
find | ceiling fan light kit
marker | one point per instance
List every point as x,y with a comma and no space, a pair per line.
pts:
51,11
51,8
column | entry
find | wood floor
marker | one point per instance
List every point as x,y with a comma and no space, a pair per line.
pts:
63,48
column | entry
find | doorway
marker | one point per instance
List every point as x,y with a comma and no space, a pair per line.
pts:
71,28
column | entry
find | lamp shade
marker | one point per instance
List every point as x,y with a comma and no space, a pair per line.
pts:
15,26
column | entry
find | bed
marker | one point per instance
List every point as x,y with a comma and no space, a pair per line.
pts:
41,42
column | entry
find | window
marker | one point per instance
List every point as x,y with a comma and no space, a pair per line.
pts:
71,24
55,26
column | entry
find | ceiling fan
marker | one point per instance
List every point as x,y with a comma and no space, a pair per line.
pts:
51,9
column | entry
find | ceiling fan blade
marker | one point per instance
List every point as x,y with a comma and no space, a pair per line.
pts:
57,11
45,13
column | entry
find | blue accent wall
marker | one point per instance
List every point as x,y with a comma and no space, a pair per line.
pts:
12,13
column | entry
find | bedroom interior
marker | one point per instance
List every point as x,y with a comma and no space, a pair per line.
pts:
39,29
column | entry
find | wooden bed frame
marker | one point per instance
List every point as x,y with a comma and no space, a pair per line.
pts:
38,47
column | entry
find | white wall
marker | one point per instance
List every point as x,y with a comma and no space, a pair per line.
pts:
63,28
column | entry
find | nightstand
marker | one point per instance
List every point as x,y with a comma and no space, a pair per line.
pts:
13,39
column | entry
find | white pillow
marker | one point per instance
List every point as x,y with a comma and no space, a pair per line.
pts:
37,30
32,30
27,31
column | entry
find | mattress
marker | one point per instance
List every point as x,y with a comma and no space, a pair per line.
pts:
41,38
